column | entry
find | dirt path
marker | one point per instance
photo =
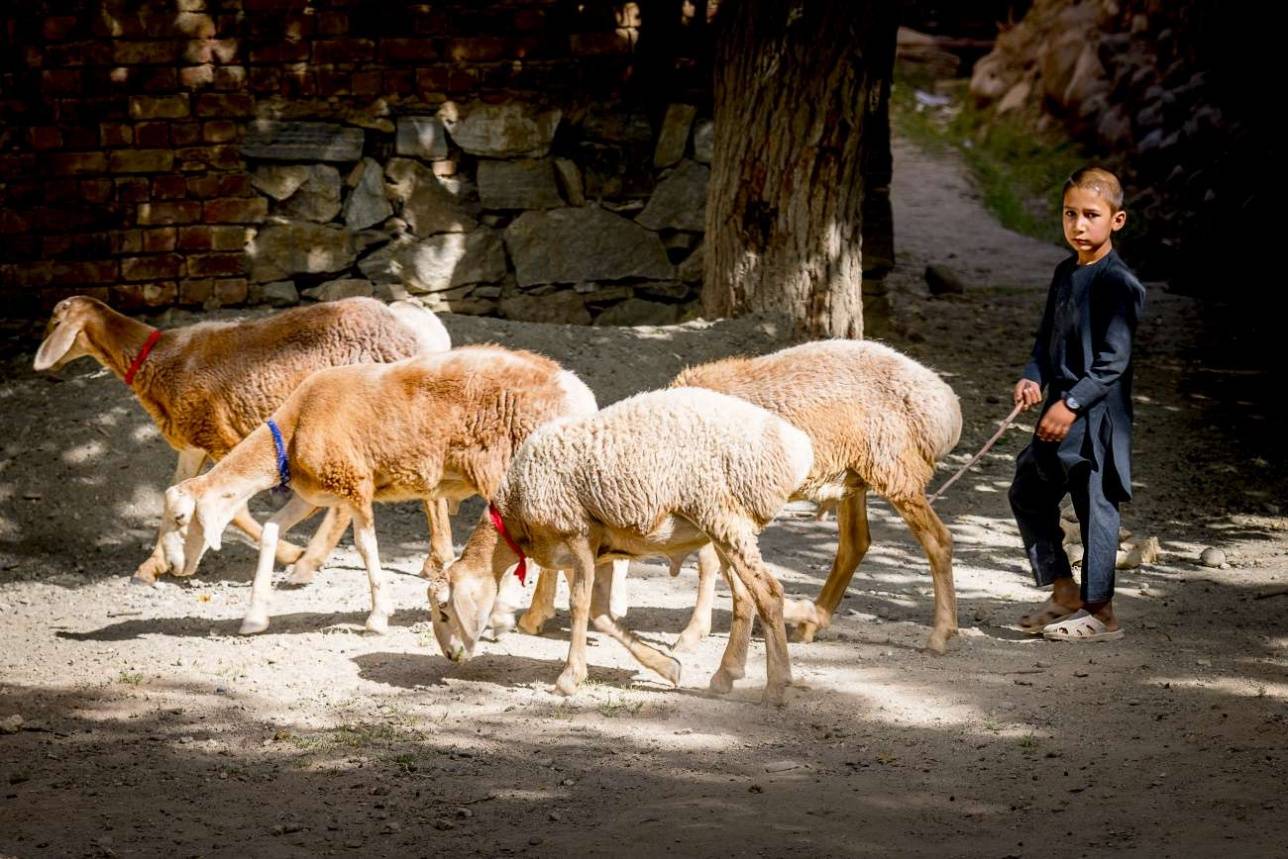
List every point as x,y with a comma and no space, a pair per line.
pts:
151,728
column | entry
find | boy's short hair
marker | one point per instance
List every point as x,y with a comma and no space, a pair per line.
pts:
1097,179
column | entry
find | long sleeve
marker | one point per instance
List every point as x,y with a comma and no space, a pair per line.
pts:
1117,305
1039,367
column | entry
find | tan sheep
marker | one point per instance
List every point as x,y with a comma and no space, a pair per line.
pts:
440,426
661,473
207,386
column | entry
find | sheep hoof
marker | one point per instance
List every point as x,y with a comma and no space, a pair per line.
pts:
938,641
253,625
501,622
140,581
531,623
151,568
670,671
721,682
302,573
688,640
288,553
377,623
775,696
568,681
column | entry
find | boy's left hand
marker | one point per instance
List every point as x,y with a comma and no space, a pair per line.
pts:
1056,422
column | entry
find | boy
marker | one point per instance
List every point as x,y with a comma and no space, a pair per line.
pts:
1082,444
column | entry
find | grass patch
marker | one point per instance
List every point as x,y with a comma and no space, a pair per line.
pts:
130,678
1019,170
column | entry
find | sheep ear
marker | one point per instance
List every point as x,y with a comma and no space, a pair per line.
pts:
56,345
211,531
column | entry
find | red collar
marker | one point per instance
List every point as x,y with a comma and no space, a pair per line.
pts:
522,570
142,356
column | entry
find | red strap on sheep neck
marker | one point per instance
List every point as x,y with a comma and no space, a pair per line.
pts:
497,522
142,356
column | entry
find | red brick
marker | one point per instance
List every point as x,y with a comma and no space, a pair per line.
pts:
230,78
265,80
596,44
196,291
236,210
193,77
133,190
207,265
444,79
152,133
399,81
333,23
335,51
160,241
61,190
60,82
140,160
194,25
185,133
404,50
13,222
365,83
129,241
280,52
56,28
151,267
220,131
200,51
157,214
156,80
331,81
169,188
45,137
219,157
80,137
478,49
139,295
71,163
225,104
221,185
96,190
196,238
157,53
159,107
231,290
86,271
115,134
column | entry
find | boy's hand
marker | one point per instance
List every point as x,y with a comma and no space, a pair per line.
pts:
1056,422
1027,392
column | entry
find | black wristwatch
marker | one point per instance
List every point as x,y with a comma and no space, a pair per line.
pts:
1073,405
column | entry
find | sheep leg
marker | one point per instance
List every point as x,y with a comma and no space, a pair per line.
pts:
937,542
441,551
261,589
767,594
508,595
156,565
602,616
580,585
287,553
320,547
733,663
619,604
853,540
542,607
700,622
364,537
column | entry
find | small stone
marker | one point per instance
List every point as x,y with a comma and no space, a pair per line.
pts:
555,817
11,725
943,281
568,782
782,766
755,788
464,813
444,824
1212,557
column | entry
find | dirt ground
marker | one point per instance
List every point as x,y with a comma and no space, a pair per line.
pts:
150,728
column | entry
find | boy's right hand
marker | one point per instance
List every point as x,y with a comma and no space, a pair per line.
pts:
1028,393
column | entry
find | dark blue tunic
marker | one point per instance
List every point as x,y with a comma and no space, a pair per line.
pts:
1083,350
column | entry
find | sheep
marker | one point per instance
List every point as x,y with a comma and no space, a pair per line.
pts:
207,386
661,473
441,426
878,421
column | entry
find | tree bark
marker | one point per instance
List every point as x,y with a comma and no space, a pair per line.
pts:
784,208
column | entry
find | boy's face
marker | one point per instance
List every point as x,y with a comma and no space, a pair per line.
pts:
1089,222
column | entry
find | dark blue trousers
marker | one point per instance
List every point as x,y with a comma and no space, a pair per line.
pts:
1040,484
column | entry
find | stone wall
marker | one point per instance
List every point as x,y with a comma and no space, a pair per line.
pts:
540,159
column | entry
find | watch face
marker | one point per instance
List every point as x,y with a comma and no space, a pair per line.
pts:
1071,403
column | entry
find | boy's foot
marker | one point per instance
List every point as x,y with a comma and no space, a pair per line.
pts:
1081,627
1043,616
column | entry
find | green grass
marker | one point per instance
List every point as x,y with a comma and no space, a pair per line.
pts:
1019,170
130,679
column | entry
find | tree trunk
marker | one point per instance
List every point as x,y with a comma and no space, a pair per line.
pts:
784,208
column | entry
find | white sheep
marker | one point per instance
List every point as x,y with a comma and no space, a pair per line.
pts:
878,421
661,473
207,386
440,426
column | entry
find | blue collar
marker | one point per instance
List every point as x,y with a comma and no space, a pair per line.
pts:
283,464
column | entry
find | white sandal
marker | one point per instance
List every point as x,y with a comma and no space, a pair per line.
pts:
1080,627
